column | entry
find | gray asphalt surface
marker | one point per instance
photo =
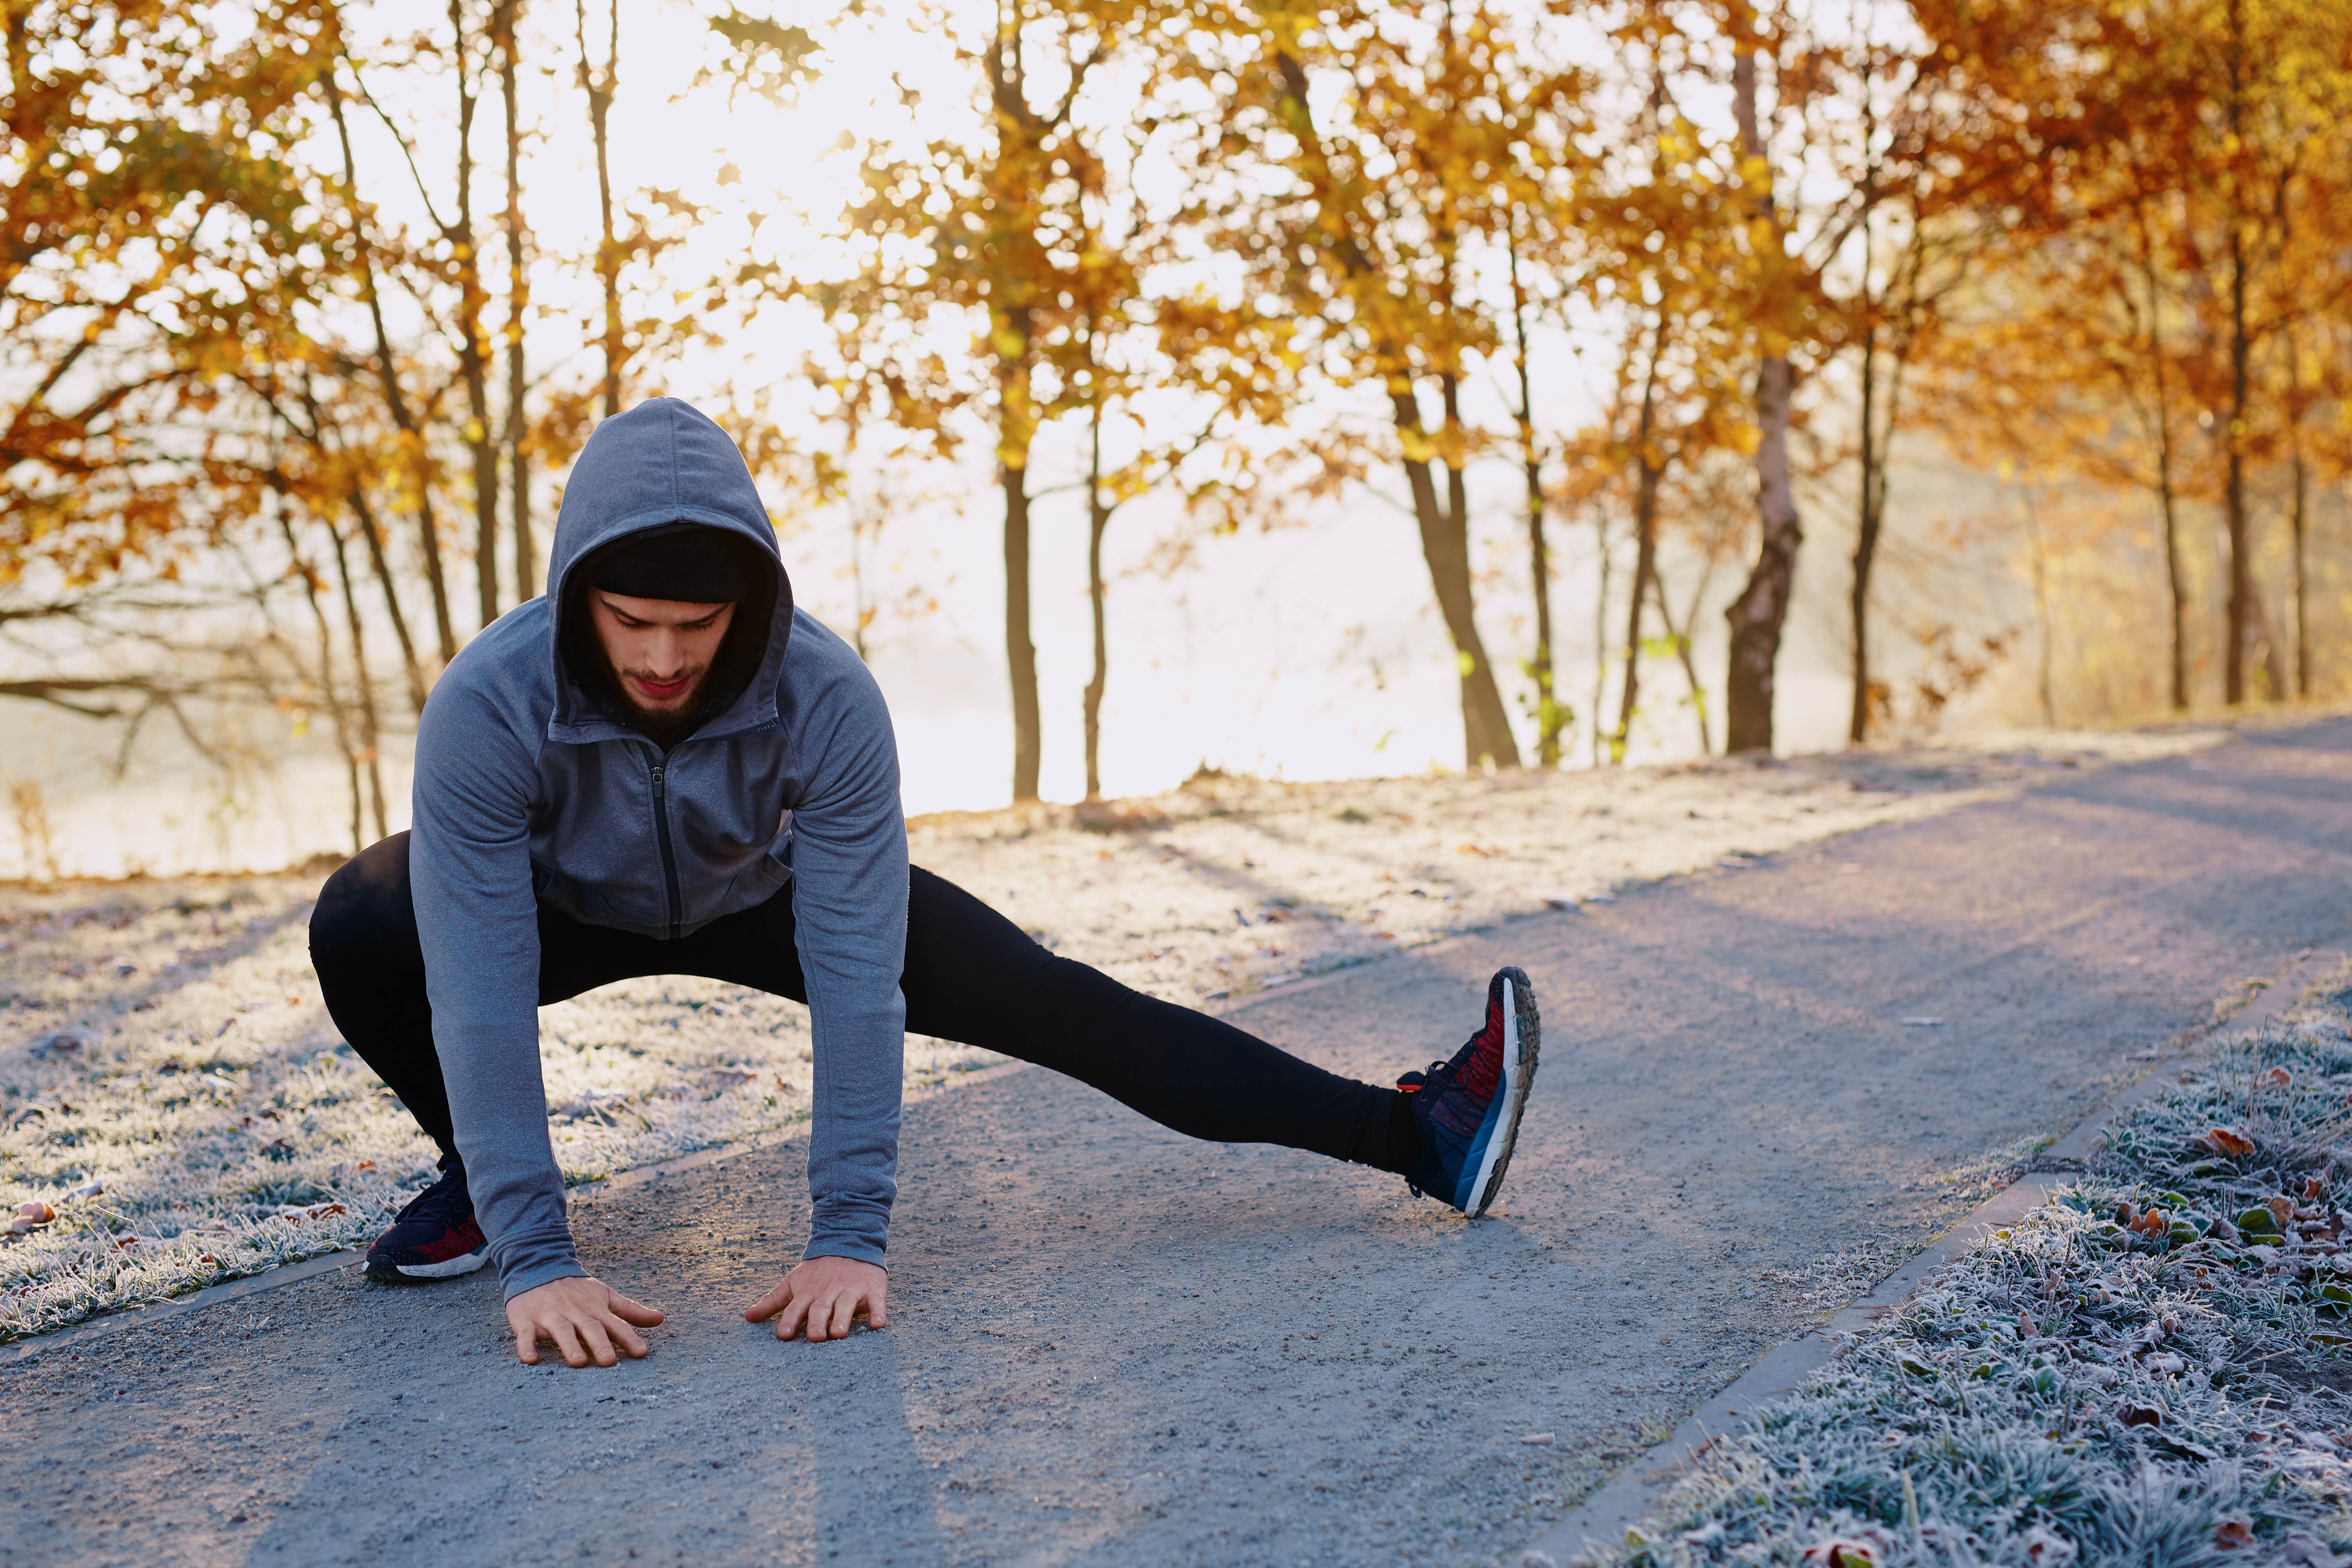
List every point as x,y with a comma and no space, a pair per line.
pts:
1112,1345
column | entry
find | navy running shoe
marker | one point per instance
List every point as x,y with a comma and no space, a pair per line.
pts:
434,1238
1467,1111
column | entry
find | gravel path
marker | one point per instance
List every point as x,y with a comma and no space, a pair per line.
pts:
1113,1346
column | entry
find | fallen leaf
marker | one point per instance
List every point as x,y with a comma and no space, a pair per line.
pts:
2135,1413
2282,1209
2045,1548
2277,1078
1841,1552
2026,1326
1539,1439
89,1189
2233,1535
2229,1140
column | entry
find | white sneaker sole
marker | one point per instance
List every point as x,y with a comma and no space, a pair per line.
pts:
447,1268
1521,1040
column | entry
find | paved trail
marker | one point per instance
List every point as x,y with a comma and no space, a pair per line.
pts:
1113,1346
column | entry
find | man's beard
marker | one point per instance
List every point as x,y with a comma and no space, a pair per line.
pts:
664,718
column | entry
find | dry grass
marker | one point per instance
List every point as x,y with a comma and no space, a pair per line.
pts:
2151,1369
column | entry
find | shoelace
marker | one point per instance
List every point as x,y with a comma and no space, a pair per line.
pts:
446,1200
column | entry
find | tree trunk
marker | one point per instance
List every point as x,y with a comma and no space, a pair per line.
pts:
1645,572
518,428
1865,540
1647,473
1550,717
1762,607
1680,632
2242,628
2175,585
1445,548
1019,652
363,684
344,741
1757,616
1097,522
472,343
2048,638
2298,520
2242,624
600,86
412,439
383,569
1600,624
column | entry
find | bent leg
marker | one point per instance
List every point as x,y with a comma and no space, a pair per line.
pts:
370,968
974,976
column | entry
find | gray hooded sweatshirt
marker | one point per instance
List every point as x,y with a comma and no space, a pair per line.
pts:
526,790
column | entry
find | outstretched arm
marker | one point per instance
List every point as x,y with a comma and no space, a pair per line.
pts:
470,863
849,909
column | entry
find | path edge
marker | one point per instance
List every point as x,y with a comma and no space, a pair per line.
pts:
1615,1510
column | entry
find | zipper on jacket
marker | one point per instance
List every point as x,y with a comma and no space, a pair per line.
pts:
669,855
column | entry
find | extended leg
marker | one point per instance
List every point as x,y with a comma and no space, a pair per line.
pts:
974,976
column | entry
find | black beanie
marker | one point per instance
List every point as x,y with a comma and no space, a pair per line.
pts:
687,561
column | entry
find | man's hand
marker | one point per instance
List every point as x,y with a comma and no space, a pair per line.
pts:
584,1318
824,1294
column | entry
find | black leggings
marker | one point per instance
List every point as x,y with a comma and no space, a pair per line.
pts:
972,976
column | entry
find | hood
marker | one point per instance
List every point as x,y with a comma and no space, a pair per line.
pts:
662,462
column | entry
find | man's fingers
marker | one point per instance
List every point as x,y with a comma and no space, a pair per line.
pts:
878,1311
627,1339
789,1323
636,1312
844,1314
527,1349
768,1305
599,1343
567,1337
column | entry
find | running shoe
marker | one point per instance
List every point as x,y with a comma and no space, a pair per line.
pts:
1467,1111
434,1238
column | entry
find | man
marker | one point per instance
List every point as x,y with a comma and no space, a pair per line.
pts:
662,767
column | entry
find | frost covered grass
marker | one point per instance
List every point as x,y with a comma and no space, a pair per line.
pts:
173,1093
2151,1369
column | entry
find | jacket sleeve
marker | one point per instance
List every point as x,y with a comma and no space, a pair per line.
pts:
849,912
477,918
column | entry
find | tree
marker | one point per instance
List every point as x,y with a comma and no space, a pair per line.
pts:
2153,170
1777,306
155,236
976,235
1368,161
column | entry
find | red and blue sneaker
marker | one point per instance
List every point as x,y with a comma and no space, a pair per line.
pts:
1467,1111
434,1238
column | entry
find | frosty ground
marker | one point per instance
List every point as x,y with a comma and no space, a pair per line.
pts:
1111,1344
172,1090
